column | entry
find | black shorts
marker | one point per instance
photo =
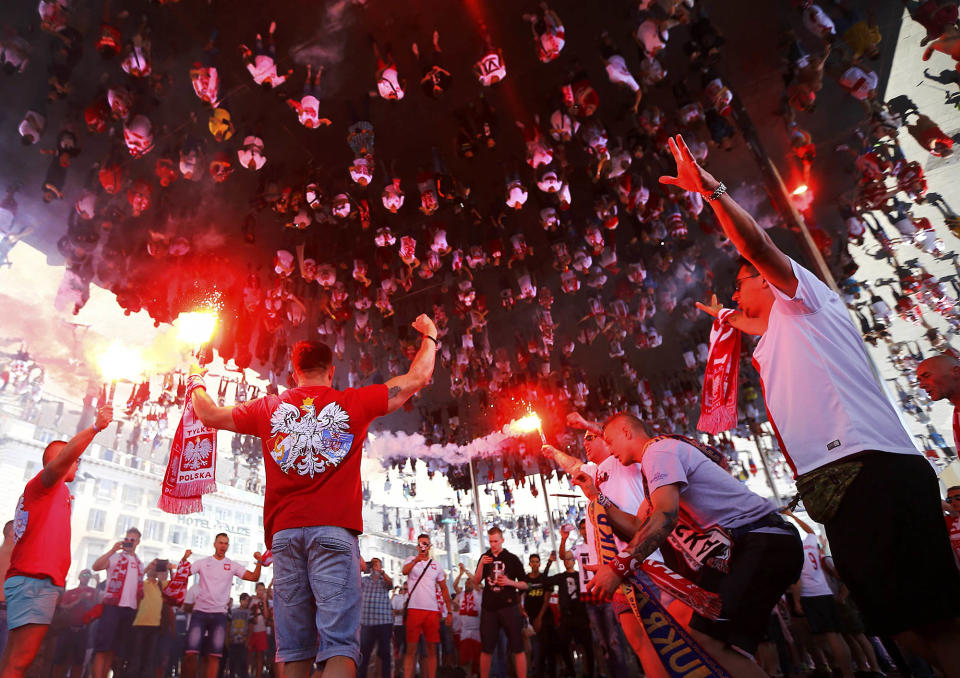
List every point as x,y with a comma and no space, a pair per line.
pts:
71,647
492,621
849,616
821,614
762,566
891,547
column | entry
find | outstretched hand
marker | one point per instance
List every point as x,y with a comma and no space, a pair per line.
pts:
713,308
690,176
424,325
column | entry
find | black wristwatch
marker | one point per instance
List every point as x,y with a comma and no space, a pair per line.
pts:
433,339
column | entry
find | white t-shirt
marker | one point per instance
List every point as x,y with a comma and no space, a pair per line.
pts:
618,73
813,580
584,556
396,604
389,84
710,495
491,69
425,595
128,596
623,485
469,614
214,578
859,82
819,388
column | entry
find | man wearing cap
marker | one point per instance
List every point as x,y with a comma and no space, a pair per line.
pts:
72,638
41,553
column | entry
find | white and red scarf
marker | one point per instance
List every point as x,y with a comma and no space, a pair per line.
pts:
718,411
192,467
118,577
176,590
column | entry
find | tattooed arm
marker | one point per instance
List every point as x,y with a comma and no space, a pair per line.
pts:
400,389
665,510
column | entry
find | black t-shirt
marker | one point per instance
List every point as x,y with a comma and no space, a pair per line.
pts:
498,597
536,594
568,590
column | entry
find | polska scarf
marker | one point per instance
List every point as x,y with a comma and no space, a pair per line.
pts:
118,576
191,469
680,655
718,410
176,590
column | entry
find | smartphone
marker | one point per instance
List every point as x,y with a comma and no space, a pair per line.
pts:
127,543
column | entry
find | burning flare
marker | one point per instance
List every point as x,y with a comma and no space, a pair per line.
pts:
526,424
195,328
120,362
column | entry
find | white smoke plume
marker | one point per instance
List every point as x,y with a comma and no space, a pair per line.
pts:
390,445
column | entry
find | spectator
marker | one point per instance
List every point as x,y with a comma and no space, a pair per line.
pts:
239,636
72,630
424,577
121,598
376,617
260,614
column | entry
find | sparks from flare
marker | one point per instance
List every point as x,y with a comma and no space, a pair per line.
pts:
526,424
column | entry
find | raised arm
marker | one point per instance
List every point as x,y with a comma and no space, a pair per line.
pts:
254,575
743,231
103,561
57,468
400,389
211,414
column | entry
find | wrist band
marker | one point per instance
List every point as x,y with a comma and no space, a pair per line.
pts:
623,563
98,430
604,500
717,192
433,339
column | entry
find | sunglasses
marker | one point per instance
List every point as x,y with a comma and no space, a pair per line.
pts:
589,435
738,283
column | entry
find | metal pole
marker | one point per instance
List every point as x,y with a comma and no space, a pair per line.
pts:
546,500
766,469
476,505
448,534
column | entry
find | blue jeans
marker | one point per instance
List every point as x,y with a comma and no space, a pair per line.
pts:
606,636
378,635
317,583
207,634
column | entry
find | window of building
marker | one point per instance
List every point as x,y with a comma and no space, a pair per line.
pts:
105,489
178,535
200,539
132,496
125,522
95,549
44,435
31,470
153,530
96,520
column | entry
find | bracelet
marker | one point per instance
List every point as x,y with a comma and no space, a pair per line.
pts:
433,339
623,563
717,192
604,500
98,430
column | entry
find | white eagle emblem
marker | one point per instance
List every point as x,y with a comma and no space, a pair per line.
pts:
197,455
308,441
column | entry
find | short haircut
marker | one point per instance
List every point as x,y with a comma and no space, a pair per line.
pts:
949,490
51,449
310,356
743,262
495,530
631,421
222,534
377,559
534,555
423,535
244,596
133,530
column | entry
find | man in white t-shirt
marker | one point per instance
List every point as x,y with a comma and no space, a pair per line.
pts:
424,577
208,622
756,554
120,601
815,601
857,465
397,602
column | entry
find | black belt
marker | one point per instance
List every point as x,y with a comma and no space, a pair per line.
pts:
769,520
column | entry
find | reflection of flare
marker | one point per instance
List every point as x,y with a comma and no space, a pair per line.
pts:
526,424
195,328
120,362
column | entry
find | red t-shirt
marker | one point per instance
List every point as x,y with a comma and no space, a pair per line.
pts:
312,437
953,528
41,532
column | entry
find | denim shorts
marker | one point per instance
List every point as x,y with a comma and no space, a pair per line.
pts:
207,634
30,601
316,590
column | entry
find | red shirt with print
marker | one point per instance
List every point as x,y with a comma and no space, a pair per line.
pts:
41,532
953,528
312,437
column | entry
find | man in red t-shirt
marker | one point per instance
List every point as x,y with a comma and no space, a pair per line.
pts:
41,553
939,376
312,437
951,514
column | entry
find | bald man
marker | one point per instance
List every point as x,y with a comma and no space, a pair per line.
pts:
939,376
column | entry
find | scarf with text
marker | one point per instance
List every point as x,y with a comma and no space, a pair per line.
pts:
118,577
680,655
192,467
176,590
718,410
